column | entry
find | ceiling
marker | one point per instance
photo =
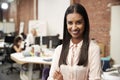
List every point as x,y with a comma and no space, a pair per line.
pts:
1,1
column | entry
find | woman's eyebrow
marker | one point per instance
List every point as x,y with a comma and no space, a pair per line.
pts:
80,19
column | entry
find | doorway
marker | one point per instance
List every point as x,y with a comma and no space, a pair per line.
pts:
115,34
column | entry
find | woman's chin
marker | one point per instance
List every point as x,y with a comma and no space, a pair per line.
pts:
75,37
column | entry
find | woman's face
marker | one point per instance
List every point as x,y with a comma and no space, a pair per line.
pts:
34,32
75,25
19,42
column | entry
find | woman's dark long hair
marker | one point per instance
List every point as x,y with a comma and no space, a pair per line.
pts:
83,58
16,40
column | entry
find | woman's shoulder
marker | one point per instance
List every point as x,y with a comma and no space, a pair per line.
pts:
94,49
29,35
57,52
93,45
59,48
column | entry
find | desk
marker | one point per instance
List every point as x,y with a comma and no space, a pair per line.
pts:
1,40
20,59
2,45
112,75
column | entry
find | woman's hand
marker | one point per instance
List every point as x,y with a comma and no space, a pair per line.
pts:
57,75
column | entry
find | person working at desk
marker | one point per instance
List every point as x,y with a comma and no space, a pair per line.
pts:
77,58
30,40
17,45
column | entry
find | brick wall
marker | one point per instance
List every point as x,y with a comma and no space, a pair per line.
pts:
25,13
99,16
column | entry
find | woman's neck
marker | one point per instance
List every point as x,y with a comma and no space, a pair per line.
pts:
76,41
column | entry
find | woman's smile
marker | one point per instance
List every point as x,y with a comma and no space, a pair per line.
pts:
75,32
75,25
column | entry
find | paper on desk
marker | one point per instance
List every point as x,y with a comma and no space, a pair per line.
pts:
73,72
112,75
2,44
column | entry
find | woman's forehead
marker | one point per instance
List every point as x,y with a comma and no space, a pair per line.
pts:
74,16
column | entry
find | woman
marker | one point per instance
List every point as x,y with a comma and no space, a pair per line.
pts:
17,45
30,40
78,58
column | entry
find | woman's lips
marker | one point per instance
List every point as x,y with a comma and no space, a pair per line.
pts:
75,32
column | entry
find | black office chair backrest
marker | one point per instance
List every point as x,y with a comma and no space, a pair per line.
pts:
8,53
8,46
1,34
9,39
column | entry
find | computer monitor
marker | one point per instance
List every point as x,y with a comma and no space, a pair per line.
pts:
9,39
37,40
46,39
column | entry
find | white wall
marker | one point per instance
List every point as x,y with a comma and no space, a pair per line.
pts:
52,11
7,27
115,33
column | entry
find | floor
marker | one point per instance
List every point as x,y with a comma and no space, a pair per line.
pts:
3,69
4,76
12,76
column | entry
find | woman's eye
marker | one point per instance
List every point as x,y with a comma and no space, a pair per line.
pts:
70,22
78,22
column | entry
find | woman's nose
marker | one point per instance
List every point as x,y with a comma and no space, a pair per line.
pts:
74,27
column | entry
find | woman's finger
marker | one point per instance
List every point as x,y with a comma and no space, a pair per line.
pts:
56,73
60,77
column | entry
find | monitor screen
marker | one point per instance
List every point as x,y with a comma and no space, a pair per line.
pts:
46,40
9,39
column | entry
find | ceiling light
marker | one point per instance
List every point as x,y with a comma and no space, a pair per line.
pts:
4,6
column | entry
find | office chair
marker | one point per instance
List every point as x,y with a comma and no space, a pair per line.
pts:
1,34
45,73
7,48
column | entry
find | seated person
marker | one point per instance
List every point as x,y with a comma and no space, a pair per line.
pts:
30,40
17,45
